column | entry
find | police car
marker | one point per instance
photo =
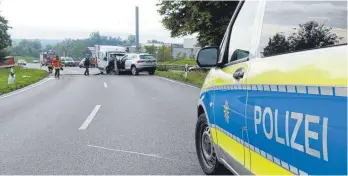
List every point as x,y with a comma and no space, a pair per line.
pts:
275,98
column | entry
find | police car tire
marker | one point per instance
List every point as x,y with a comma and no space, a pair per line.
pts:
218,168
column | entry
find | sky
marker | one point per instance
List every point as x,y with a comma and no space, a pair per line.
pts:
59,19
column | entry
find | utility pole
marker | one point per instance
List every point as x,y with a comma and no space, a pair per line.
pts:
137,28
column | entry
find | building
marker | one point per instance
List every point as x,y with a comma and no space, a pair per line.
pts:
190,43
189,49
92,49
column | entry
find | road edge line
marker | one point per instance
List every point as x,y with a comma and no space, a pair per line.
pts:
178,82
25,88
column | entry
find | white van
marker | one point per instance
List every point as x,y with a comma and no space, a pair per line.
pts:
103,53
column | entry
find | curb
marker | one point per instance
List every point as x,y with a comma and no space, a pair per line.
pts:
178,82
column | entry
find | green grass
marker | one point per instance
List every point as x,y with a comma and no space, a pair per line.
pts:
195,78
30,76
179,62
26,58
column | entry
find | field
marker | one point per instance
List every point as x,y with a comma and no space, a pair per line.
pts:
179,62
24,77
26,58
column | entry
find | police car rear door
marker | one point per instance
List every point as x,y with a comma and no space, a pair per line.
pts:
298,97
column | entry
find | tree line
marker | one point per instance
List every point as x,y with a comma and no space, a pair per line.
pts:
76,48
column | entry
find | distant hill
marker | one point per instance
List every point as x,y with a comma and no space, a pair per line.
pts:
44,42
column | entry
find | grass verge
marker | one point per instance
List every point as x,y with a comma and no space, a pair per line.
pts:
195,78
26,58
179,62
24,77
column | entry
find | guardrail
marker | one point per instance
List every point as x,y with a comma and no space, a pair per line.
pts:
166,67
180,68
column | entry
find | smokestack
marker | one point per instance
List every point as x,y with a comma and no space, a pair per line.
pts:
137,28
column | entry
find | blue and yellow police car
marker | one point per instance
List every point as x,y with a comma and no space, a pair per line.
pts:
275,98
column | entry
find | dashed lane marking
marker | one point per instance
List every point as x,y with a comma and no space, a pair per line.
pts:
90,118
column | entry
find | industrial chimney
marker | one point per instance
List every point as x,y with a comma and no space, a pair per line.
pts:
137,28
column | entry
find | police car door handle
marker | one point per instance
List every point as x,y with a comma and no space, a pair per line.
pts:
239,73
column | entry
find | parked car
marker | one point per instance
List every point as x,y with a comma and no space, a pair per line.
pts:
275,99
68,62
35,61
137,62
22,63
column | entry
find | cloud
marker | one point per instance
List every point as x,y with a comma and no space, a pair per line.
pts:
77,18
333,13
283,17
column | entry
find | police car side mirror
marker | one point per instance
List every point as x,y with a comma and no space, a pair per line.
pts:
207,56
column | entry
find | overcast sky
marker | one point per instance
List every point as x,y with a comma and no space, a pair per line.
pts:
59,19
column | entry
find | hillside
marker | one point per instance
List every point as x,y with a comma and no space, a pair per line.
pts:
44,42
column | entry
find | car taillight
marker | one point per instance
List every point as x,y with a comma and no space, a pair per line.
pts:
140,61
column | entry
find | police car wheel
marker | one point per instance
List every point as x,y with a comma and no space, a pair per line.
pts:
205,148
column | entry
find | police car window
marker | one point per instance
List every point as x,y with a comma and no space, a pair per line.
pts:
240,39
292,26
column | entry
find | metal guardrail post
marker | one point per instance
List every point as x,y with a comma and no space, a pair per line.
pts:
186,70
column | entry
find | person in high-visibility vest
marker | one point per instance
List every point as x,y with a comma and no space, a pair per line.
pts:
57,64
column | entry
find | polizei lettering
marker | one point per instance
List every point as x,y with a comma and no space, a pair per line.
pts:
267,122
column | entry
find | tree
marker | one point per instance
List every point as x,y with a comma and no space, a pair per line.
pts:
277,44
150,49
131,39
5,38
25,47
207,18
164,53
155,41
309,35
48,47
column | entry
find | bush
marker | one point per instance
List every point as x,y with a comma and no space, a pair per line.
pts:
162,68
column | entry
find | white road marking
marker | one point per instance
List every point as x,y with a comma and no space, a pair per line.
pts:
177,82
25,89
137,153
105,85
90,118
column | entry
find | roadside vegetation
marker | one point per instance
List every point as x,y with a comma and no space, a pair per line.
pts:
195,78
27,59
179,61
24,77
168,69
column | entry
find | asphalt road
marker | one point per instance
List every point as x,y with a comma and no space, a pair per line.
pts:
100,125
66,70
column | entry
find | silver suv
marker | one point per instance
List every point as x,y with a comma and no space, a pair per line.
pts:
137,62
